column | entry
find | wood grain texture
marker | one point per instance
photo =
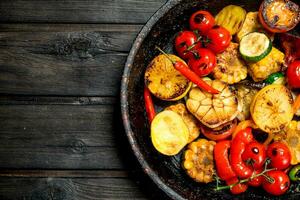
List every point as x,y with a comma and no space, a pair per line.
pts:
68,189
61,137
73,60
63,173
78,11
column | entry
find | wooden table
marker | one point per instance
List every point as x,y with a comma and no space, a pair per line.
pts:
61,134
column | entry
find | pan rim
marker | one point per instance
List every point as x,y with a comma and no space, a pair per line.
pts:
124,98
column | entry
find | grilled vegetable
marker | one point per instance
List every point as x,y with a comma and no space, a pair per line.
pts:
217,39
238,146
271,109
198,160
291,44
231,17
164,81
190,121
252,24
294,174
219,133
150,110
279,15
213,110
169,133
292,140
280,182
255,46
276,78
245,95
201,21
224,169
230,66
189,74
293,74
272,63
296,105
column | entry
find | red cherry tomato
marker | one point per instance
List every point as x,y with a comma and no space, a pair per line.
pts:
280,155
278,184
255,153
185,43
218,39
203,62
293,74
257,181
202,21
238,188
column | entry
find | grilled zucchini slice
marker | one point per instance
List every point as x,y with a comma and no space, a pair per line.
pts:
255,46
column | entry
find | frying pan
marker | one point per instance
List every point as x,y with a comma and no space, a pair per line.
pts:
167,172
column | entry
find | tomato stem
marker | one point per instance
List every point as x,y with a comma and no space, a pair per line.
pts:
165,54
253,176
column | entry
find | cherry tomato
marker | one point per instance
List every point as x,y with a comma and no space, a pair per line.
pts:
280,155
219,135
185,43
203,62
218,39
293,74
278,184
255,153
238,188
257,181
202,21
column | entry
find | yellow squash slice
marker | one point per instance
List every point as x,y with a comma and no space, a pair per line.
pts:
231,17
169,134
191,122
164,81
271,108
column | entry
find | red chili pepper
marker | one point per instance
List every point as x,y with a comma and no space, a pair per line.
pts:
192,76
238,146
150,110
224,169
238,188
189,74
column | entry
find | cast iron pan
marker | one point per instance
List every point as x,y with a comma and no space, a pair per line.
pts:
165,171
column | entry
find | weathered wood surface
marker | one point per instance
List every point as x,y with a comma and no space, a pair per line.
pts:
78,11
77,60
60,70
77,184
68,188
59,137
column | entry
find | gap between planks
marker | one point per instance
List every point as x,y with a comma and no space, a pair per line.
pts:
64,173
55,100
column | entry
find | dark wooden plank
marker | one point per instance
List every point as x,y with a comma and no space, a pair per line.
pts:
75,60
61,137
78,11
64,173
55,100
69,188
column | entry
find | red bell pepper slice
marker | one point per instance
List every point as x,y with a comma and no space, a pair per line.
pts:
238,145
224,169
